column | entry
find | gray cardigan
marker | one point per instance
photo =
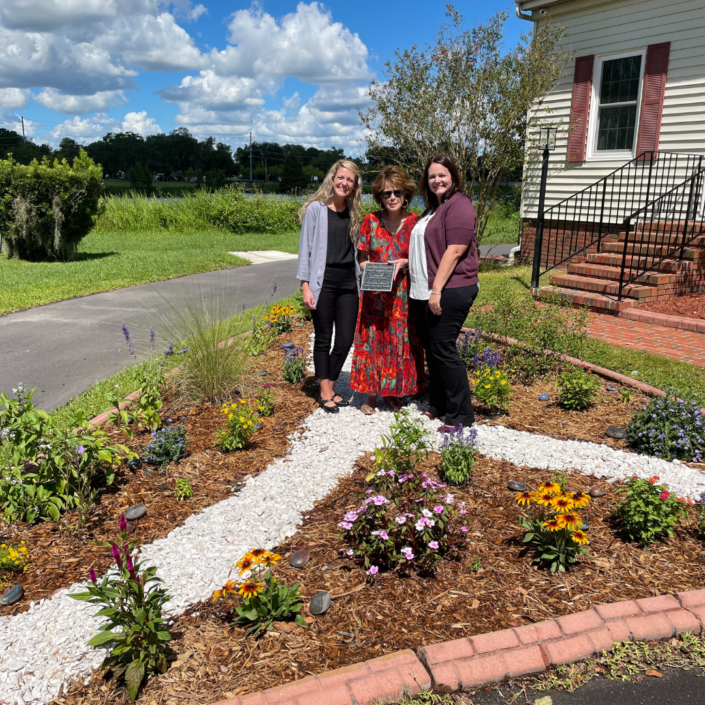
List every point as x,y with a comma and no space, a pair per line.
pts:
313,248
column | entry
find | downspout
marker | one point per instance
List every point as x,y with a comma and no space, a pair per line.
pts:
521,15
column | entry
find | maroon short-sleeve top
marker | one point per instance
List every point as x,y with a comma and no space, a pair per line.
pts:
455,223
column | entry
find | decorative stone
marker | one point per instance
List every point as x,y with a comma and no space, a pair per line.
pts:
163,486
320,603
299,559
702,559
14,594
615,432
130,420
544,397
148,472
258,425
299,325
130,527
586,524
289,346
136,512
259,373
516,486
597,492
238,486
611,388
134,464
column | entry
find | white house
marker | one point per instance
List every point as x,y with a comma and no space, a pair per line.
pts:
632,104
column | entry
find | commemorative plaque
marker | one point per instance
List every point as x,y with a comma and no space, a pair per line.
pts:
378,276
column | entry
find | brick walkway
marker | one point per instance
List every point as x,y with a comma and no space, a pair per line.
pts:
679,344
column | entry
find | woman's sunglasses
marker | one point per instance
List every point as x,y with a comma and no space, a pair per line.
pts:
397,194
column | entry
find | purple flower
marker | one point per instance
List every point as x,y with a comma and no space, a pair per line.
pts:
116,555
126,334
368,491
151,339
373,570
93,576
123,523
80,450
433,545
449,499
169,350
350,552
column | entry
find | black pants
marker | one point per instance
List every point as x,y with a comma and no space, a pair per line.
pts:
449,390
337,306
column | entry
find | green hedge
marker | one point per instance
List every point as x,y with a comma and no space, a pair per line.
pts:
48,207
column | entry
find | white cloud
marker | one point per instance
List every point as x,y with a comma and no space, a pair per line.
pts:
140,123
95,127
14,97
80,104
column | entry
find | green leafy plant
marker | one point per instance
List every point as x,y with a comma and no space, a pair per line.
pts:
294,365
625,394
265,600
23,426
577,389
458,455
553,526
168,445
475,564
648,511
493,389
21,499
242,423
303,312
150,378
13,557
183,491
265,400
132,601
406,445
669,427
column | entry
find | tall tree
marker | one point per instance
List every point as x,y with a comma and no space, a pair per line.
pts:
293,177
466,97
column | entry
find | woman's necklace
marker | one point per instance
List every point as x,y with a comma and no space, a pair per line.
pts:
393,231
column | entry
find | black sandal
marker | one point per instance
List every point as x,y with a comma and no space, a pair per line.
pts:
342,401
328,409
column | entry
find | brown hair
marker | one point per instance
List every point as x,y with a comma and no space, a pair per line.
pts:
397,178
457,183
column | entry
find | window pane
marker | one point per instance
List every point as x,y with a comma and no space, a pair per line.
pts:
617,127
620,80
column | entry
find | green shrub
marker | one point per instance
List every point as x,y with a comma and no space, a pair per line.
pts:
458,456
48,207
492,389
140,176
168,445
649,512
577,389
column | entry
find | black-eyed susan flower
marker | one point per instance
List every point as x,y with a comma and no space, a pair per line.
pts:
552,487
543,498
570,521
552,525
580,537
524,498
229,589
562,503
257,554
270,559
250,588
580,499
245,564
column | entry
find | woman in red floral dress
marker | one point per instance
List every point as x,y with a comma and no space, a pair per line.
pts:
388,357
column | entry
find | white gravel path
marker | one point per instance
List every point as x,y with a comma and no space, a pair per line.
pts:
46,646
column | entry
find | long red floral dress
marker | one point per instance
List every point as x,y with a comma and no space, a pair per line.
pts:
388,357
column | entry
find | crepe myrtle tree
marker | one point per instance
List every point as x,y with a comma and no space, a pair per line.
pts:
468,97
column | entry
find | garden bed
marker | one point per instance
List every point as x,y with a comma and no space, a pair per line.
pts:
60,554
492,585
692,306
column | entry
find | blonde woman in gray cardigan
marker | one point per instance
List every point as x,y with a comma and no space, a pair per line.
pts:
329,272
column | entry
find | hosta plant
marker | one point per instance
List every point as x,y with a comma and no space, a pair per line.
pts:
243,421
649,511
492,389
132,601
553,526
264,599
458,455
577,389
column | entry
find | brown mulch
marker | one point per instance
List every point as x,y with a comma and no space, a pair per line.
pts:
692,306
212,659
61,554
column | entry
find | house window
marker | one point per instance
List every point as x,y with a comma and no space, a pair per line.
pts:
615,106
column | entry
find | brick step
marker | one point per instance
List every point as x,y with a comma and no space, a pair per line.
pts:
615,260
601,286
597,271
659,237
595,302
691,253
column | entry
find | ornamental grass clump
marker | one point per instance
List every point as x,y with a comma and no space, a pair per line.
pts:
294,365
648,511
264,599
458,455
168,445
669,427
492,389
243,421
408,520
132,600
553,525
577,389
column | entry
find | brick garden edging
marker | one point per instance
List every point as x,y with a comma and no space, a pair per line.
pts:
694,325
98,421
471,662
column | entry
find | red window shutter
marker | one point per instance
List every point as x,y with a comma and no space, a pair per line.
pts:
579,108
652,97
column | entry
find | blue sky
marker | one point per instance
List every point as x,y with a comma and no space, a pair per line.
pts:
288,71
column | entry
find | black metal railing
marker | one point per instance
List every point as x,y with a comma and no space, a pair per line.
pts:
662,230
600,211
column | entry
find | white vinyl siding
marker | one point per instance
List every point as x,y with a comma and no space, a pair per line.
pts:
624,27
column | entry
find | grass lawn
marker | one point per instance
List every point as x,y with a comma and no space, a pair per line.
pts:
111,260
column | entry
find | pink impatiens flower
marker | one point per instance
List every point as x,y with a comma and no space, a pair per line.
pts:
463,528
433,545
400,519
373,570
439,509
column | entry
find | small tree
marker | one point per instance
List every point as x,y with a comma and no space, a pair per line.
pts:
464,97
293,177
140,176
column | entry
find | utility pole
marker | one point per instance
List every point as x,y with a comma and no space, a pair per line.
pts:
250,156
24,139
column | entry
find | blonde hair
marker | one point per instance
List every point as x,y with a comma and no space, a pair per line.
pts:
325,194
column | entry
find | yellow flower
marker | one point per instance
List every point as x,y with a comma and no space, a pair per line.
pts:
580,537
523,498
242,419
229,589
552,525
562,503
543,498
552,487
244,564
570,520
250,588
487,386
230,416
504,381
580,499
250,423
257,554
270,559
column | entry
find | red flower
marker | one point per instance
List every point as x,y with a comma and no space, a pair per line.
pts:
634,477
690,502
665,495
681,499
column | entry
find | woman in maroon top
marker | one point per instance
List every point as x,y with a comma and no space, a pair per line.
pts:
444,284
